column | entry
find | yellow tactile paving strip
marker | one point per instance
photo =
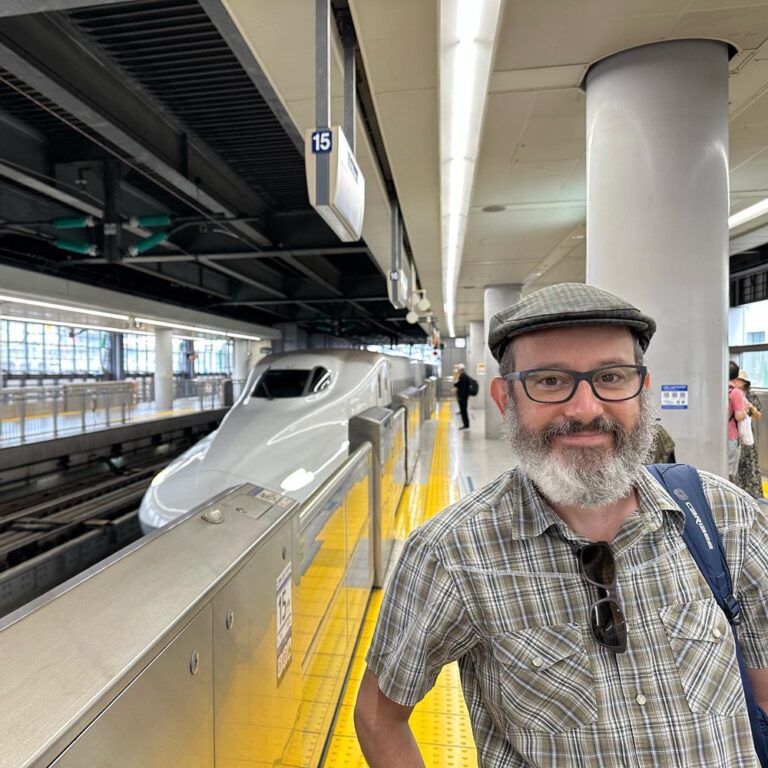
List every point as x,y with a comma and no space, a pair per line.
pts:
440,722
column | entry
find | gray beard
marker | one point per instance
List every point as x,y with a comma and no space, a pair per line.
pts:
587,476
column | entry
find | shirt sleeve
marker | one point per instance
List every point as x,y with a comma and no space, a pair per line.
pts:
752,592
738,400
422,625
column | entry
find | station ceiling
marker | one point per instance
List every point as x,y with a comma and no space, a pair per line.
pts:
204,104
154,108
528,205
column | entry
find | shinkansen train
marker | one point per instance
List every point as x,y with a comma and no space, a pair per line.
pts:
288,430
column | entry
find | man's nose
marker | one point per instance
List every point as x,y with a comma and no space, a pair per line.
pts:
584,406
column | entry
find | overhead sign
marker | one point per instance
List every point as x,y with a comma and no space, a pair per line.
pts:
674,396
335,182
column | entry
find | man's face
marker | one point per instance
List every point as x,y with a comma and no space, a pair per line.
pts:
583,451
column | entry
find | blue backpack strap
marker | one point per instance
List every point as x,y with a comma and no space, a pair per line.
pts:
682,483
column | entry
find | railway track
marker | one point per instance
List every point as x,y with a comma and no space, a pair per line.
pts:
60,534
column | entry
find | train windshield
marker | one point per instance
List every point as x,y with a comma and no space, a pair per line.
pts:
291,383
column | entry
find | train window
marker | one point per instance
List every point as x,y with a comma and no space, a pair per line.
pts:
277,383
292,383
321,379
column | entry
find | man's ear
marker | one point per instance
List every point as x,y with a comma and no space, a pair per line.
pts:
647,382
500,393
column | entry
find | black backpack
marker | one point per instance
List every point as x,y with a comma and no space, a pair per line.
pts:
474,387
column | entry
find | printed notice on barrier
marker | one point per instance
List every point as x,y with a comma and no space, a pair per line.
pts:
481,369
284,622
674,396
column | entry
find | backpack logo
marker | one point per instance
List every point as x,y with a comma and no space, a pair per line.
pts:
681,494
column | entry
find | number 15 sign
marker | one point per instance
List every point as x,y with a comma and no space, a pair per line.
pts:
322,141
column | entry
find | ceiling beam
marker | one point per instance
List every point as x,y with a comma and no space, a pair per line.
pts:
268,254
20,7
60,63
224,23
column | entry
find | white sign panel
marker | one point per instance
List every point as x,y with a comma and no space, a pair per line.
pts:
284,621
674,396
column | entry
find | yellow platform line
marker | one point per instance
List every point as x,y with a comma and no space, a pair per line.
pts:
440,721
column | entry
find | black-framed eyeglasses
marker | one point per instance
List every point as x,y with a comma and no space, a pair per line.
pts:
598,568
612,383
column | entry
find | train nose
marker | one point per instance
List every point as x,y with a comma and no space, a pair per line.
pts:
175,494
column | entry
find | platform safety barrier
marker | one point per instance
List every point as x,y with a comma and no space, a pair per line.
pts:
29,413
222,639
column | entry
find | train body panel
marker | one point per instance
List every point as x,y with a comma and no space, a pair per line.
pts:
288,431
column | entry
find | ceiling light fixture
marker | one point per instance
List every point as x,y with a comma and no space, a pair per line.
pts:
63,307
65,324
195,329
467,32
742,217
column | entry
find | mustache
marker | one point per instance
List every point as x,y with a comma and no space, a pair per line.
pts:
599,425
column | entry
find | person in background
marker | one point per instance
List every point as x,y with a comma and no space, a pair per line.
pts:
736,412
462,395
663,446
749,476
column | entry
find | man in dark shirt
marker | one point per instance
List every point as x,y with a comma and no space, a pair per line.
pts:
462,395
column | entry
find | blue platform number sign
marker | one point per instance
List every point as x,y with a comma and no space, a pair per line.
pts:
674,397
322,141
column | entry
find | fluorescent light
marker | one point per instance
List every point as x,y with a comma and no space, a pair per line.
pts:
63,324
742,217
49,305
467,32
195,329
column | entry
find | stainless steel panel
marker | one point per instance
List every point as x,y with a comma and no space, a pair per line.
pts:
164,718
254,714
411,399
74,650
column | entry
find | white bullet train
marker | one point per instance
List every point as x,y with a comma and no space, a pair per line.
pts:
288,430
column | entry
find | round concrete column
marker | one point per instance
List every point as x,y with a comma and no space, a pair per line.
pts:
476,365
495,298
242,366
657,220
163,369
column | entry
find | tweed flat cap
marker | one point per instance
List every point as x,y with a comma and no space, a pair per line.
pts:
563,305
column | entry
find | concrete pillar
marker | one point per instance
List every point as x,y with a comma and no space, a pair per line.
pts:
657,220
163,369
495,298
476,365
243,364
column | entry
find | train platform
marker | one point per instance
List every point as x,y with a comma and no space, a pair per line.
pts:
47,425
451,463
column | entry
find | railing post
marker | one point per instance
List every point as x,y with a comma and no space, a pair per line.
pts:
126,395
55,413
82,410
22,418
107,404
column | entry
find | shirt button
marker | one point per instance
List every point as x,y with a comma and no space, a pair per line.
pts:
640,699
716,633
537,662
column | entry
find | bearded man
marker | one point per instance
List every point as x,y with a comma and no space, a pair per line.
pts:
584,630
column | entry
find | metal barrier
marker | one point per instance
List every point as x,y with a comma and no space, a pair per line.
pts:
29,413
411,400
385,431
222,639
209,391
445,389
430,398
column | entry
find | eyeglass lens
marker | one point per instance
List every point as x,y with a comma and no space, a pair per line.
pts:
621,382
598,568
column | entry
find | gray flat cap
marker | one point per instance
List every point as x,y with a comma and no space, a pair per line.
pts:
563,305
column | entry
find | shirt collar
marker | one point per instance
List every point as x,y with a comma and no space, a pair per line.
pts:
529,515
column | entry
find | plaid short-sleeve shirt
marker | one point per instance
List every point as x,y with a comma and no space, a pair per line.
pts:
493,582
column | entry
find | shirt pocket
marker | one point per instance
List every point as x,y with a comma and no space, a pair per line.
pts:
545,678
703,649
